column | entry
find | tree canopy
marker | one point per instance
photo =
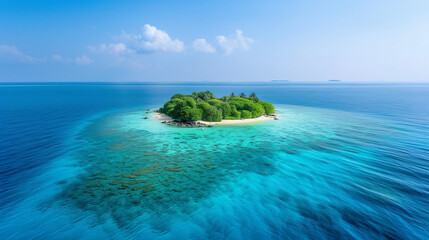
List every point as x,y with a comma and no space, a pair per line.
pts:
205,106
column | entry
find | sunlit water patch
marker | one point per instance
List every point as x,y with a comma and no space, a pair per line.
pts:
315,173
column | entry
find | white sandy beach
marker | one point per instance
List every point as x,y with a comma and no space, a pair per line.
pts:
164,117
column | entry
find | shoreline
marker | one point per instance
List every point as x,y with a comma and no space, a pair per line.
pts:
166,119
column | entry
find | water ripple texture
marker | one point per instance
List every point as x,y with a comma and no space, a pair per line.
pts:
316,173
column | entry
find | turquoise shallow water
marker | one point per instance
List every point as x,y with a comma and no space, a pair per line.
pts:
317,173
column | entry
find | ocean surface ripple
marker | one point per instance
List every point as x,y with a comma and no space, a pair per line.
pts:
342,162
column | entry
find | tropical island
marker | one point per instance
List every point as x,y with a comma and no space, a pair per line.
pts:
204,108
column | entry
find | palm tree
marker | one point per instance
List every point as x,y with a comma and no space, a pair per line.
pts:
242,95
232,94
253,95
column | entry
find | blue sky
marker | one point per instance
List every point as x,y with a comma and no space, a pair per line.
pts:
203,41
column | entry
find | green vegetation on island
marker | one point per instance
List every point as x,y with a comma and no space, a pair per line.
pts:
205,106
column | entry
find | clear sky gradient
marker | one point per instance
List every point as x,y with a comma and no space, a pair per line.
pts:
214,41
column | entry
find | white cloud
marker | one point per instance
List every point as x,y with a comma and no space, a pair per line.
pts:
200,45
78,60
57,57
113,48
130,48
228,44
150,40
154,39
117,48
11,53
83,60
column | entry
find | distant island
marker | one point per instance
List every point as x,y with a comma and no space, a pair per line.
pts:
204,108
334,80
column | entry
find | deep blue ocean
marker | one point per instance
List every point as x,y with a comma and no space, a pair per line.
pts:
78,161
